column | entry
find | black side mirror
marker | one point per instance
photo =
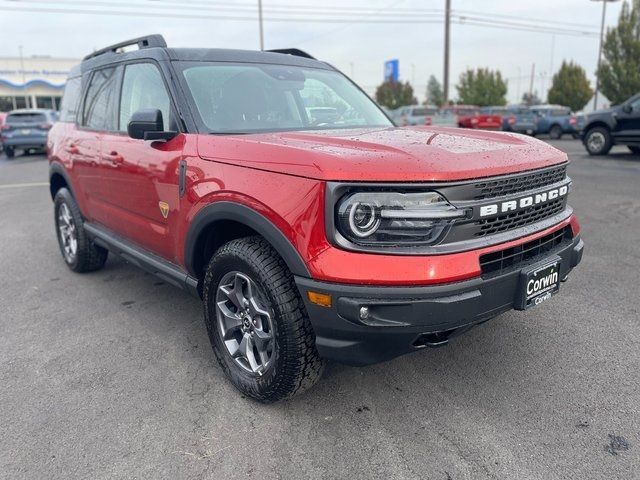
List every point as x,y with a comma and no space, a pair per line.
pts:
147,124
627,108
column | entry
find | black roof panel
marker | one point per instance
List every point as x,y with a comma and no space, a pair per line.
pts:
248,56
107,56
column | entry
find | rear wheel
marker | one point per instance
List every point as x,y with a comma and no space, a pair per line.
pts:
598,141
555,133
634,149
78,250
257,322
9,152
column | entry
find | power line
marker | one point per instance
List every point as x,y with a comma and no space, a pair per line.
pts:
373,18
286,10
342,27
81,11
517,17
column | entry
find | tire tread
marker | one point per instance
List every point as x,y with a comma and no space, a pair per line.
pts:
299,364
89,257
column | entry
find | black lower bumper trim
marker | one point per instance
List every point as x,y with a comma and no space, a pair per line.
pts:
399,320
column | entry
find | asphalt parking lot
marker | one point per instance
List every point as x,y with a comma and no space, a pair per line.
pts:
111,375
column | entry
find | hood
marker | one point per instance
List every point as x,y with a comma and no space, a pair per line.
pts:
406,154
603,111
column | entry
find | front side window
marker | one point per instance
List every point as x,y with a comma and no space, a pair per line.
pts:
143,88
100,100
247,98
635,105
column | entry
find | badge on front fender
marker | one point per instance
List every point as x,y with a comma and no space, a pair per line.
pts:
538,283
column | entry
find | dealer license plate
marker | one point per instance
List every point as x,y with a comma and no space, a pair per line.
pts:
539,283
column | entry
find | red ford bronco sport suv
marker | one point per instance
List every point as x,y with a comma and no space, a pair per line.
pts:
336,237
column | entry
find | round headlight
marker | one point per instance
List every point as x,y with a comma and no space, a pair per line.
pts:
363,220
388,218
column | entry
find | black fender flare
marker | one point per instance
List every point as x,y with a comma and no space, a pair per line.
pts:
58,168
225,210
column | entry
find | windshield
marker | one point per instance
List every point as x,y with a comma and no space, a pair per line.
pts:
249,98
17,118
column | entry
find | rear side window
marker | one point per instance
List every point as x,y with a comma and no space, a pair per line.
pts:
17,118
70,100
419,112
99,104
143,87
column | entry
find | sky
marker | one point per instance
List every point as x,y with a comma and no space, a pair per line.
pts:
355,46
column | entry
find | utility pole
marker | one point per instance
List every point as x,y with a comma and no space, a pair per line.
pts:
27,99
533,74
518,97
261,27
447,24
604,14
24,80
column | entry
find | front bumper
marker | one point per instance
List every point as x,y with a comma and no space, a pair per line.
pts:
404,319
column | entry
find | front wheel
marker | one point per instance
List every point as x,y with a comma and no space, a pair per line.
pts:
556,132
257,322
78,250
598,141
9,152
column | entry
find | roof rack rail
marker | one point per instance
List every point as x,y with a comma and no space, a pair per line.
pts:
148,41
292,51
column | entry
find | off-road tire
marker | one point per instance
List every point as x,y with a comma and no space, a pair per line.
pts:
89,257
9,152
297,365
555,133
604,146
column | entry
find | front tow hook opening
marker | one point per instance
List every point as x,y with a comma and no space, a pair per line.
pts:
433,340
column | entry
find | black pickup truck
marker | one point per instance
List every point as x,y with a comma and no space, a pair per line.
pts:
618,125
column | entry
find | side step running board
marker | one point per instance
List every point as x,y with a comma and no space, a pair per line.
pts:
142,258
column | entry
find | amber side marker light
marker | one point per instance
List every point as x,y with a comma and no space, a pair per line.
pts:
322,299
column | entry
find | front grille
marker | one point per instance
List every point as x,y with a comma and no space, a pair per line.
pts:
509,185
522,218
514,258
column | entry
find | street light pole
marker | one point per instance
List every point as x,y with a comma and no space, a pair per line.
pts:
604,14
447,23
261,28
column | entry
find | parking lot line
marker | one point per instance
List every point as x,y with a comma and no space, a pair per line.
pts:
21,185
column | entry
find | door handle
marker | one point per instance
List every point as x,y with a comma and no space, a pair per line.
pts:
72,149
113,157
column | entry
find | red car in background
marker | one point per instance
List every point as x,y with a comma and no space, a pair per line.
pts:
469,116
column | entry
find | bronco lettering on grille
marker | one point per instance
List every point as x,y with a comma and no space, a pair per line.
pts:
524,202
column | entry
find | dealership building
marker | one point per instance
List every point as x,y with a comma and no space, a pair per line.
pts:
33,82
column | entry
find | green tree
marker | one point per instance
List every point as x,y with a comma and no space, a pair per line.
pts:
482,87
620,69
395,94
435,95
570,87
